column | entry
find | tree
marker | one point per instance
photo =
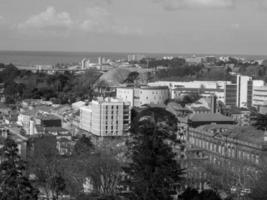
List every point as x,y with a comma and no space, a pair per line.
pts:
47,167
260,121
259,190
189,194
14,183
104,170
153,170
193,194
84,146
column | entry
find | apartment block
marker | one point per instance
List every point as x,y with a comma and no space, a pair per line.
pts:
106,117
239,94
260,97
244,91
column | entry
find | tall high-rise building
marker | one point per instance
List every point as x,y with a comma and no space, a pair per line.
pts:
239,94
230,94
106,117
244,88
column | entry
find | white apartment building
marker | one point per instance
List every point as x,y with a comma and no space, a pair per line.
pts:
143,95
259,99
244,87
239,94
106,117
191,84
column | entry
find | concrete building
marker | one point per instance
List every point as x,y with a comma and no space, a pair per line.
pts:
244,87
230,92
203,92
106,117
138,96
236,153
85,63
191,84
259,98
135,57
239,94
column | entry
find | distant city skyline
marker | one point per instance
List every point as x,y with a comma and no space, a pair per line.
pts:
149,26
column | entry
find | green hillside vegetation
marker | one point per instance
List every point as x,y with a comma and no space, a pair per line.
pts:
60,87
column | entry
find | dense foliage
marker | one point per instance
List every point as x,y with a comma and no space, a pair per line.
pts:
193,194
14,183
153,170
60,87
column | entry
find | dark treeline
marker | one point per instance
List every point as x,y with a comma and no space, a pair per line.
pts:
60,87
178,69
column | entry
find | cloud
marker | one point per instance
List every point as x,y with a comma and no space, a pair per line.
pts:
49,20
178,4
263,3
235,26
1,19
100,20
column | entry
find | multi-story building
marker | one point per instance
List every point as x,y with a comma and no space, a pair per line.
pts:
235,153
259,96
230,94
106,117
244,87
191,84
138,96
203,92
239,94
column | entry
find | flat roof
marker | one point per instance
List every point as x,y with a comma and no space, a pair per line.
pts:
147,87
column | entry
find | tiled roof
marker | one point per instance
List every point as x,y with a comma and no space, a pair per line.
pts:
206,117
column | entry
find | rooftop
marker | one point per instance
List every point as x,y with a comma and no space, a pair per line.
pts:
47,117
146,87
200,109
247,133
209,117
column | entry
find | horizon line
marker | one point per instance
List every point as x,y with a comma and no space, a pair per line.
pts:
135,52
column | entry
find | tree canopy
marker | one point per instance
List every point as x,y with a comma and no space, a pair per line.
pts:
15,185
153,170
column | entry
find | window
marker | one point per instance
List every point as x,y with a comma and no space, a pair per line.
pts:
257,159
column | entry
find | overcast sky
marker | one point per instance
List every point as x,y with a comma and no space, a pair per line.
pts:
167,26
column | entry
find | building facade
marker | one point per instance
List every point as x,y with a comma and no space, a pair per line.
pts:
143,95
230,94
106,117
239,94
244,87
233,155
259,97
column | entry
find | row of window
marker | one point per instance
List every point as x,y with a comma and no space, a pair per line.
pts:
227,150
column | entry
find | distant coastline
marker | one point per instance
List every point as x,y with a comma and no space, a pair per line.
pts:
30,58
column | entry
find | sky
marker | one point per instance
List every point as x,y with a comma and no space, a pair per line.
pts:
152,26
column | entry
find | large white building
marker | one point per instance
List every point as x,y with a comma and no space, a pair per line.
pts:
244,87
239,94
106,117
138,96
259,99
191,84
